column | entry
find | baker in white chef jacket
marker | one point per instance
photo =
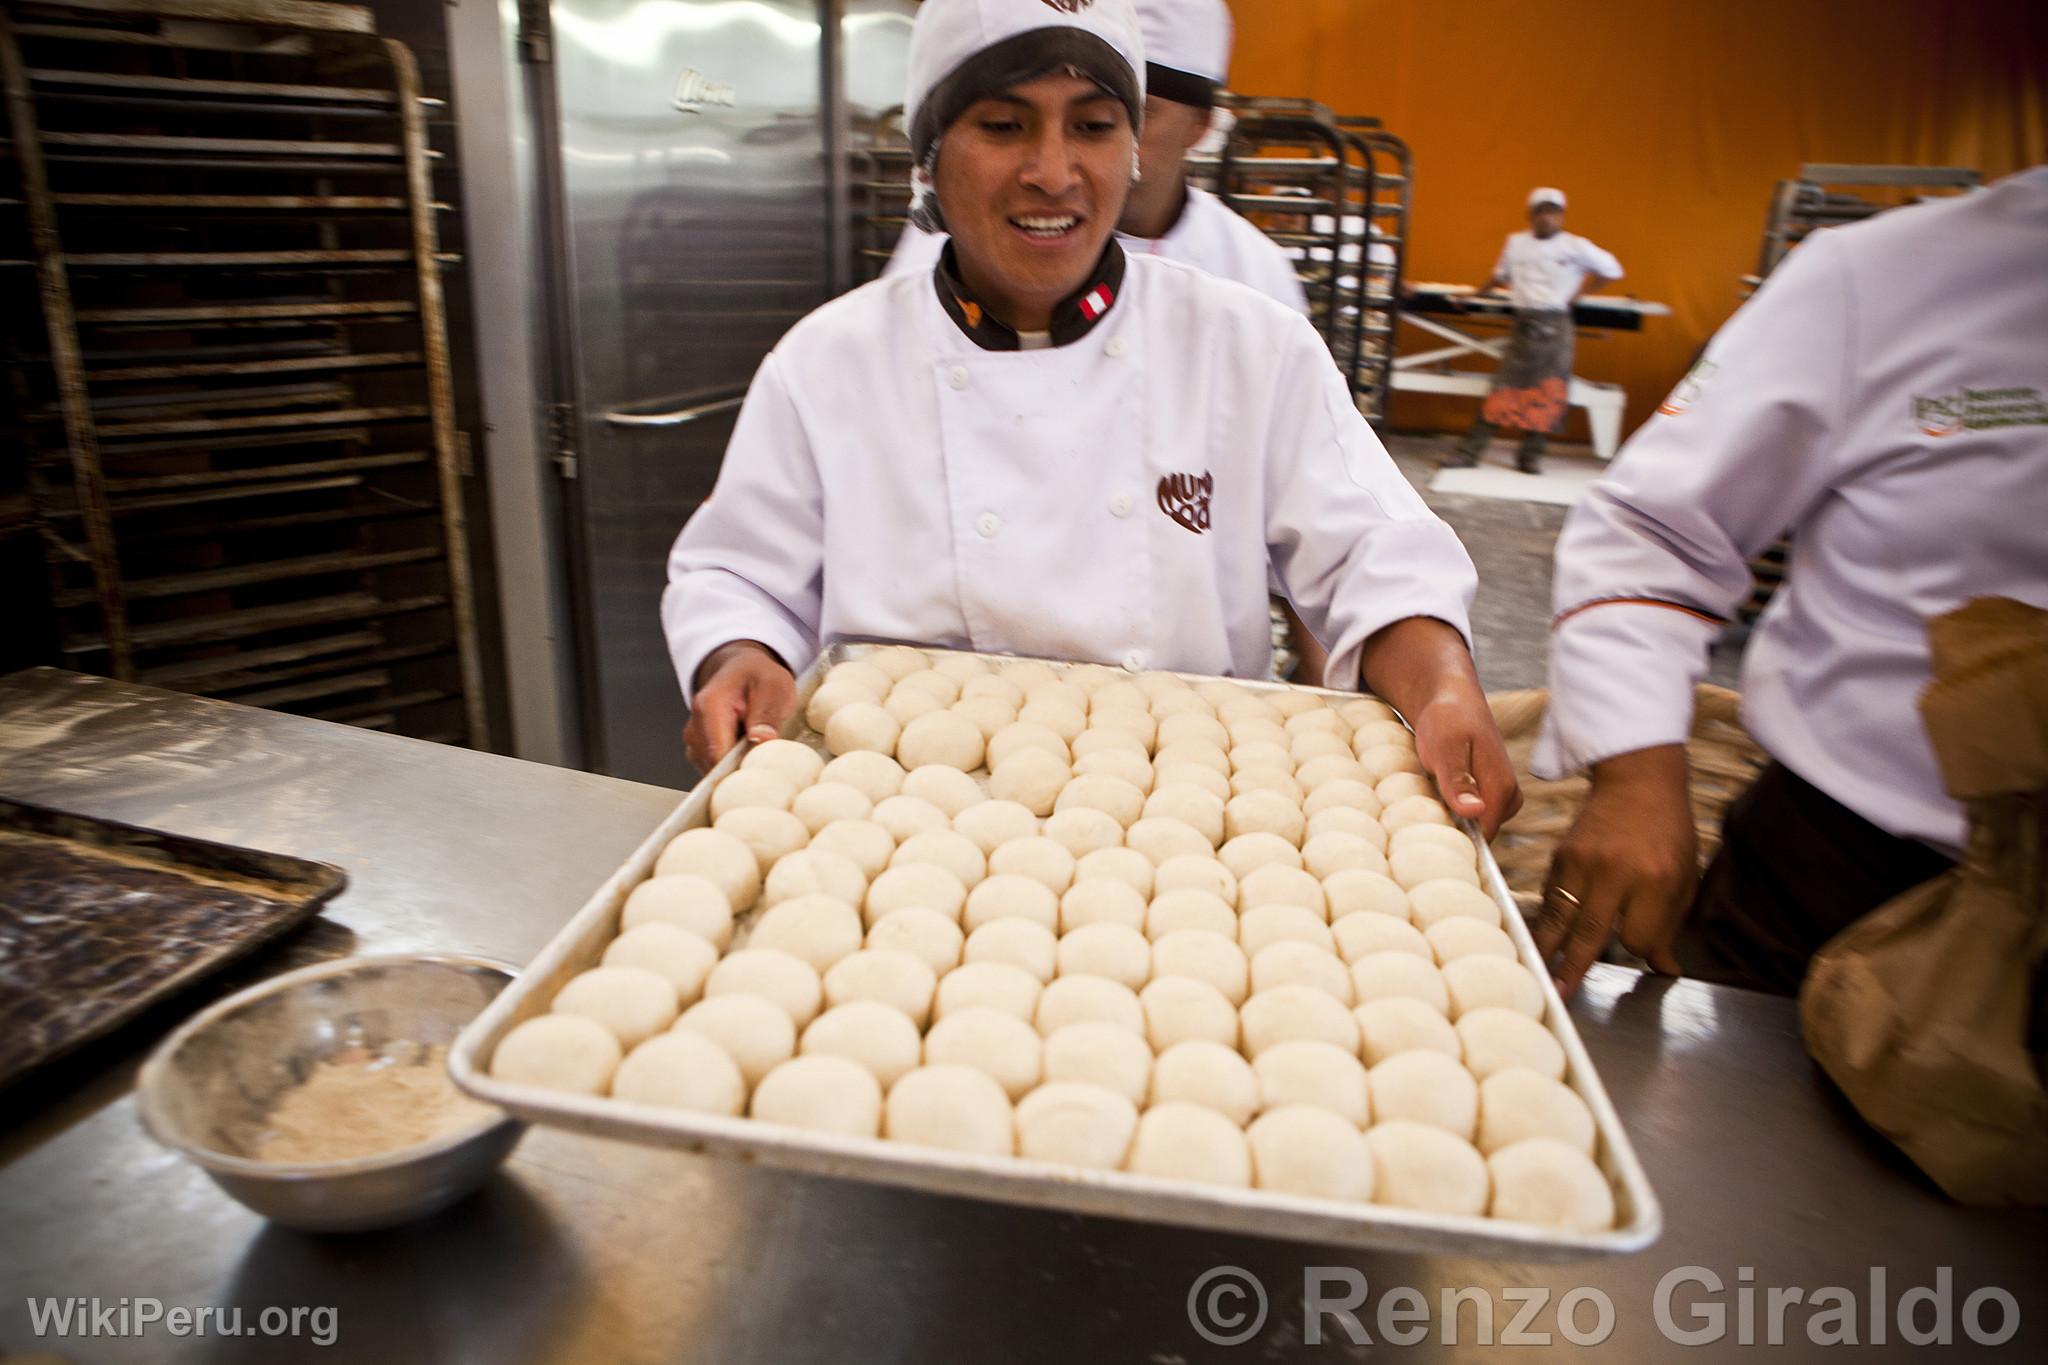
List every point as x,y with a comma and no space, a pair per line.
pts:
1187,62
1048,446
1884,400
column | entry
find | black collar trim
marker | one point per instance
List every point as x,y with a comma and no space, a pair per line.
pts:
1075,317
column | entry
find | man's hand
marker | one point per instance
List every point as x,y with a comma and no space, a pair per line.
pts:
1628,865
742,689
1422,668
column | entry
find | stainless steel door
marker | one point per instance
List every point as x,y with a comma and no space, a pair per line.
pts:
692,151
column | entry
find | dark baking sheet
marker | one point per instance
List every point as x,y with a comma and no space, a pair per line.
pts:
100,920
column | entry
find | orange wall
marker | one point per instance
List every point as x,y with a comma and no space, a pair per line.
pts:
1668,125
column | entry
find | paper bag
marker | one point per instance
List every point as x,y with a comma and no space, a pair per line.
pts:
1927,1012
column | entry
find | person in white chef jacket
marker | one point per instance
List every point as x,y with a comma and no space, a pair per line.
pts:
1884,400
1047,446
1187,62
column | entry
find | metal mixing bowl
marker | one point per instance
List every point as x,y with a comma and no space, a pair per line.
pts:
206,1091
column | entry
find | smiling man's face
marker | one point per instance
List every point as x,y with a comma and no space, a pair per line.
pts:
1031,184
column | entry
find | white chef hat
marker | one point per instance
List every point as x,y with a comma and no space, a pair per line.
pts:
1187,49
965,50
1546,194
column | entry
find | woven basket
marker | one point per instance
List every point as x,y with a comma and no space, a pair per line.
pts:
1724,761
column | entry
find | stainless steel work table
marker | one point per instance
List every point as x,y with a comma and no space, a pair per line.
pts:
593,1251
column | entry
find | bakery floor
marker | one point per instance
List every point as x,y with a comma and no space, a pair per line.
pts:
1513,544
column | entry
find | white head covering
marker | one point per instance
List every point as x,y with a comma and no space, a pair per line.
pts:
1186,41
1546,194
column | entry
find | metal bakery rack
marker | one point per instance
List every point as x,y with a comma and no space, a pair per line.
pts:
232,406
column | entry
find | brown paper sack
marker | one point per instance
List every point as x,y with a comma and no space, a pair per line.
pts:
1922,1010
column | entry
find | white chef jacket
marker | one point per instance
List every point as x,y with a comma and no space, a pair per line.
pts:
890,479
1544,273
1884,398
1207,235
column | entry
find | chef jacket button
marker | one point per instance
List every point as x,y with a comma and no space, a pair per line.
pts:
1117,346
1135,661
1120,505
987,524
957,377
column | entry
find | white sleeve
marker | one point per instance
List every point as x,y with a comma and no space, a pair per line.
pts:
1353,543
1655,559
1503,269
750,563
917,251
1598,260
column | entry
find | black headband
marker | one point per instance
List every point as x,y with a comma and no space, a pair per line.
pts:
1182,87
1012,62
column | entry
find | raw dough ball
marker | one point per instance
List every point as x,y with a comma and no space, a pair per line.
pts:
1124,865
814,872
1019,942
943,848
940,685
1031,777
830,699
904,816
1247,853
862,727
885,975
634,1003
989,985
830,803
1109,740
681,1071
1082,831
685,902
1415,864
1341,795
798,763
817,930
788,981
992,824
1000,1046
1022,735
1355,891
1204,956
1416,1166
863,843
1173,911
1217,691
906,704
994,688
1175,700
1121,764
898,661
1332,852
1101,1054
876,775
1347,820
961,668
1080,999
1279,884
1115,951
1262,812
1401,1023
1286,1013
1196,874
1481,982
1139,725
1364,711
1113,693
1311,1152
1400,786
771,834
1199,810
1306,714
1414,810
926,935
717,857
1315,744
1199,776
1101,902
1055,715
989,715
1360,936
1431,903
1459,937
1377,976
1159,839
1076,1125
1384,760
1443,836
859,673
1188,1142
684,959
1038,858
558,1052
1208,1073
868,1032
1027,673
821,1093
1261,754
1059,692
954,1107
1540,1180
1273,782
1254,730
1518,1103
1316,772
1191,753
753,1030
1192,727
1425,1086
914,885
1379,733
948,788
1314,1073
1263,926
1008,896
1291,962
1496,1039
940,737
1180,1009
1113,796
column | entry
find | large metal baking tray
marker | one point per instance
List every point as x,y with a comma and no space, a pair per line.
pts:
100,920
1014,1180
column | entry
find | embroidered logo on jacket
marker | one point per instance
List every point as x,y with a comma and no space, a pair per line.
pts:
1980,410
1069,6
1185,498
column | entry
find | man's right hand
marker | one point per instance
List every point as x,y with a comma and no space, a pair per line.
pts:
743,689
1629,865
